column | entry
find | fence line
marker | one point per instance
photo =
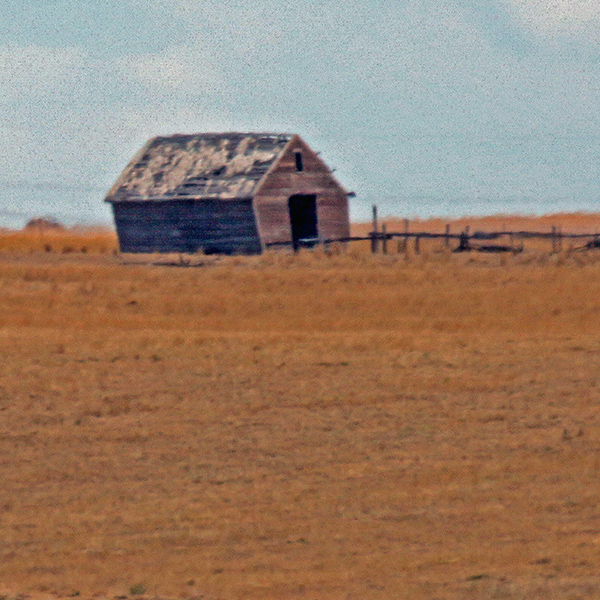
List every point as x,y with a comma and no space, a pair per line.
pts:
483,241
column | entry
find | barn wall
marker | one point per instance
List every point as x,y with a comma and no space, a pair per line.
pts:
271,200
214,226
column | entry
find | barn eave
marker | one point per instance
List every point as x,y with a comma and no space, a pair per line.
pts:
176,199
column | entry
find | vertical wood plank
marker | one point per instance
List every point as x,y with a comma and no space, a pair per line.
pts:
384,238
374,232
560,238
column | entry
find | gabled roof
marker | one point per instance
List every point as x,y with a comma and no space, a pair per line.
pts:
218,166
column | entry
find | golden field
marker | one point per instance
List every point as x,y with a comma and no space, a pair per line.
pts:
316,426
569,222
97,240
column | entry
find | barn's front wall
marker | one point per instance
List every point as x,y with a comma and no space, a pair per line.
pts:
211,226
271,202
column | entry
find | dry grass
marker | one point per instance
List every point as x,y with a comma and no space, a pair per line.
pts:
316,426
574,223
61,241
570,222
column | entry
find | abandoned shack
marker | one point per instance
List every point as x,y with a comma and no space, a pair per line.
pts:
226,193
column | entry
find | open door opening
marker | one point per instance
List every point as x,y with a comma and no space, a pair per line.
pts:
303,220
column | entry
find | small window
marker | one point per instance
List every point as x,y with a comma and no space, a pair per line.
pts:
299,163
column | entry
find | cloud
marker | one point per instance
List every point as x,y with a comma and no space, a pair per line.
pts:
27,70
552,17
178,69
134,125
16,154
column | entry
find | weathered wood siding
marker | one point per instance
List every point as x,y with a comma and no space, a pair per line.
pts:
284,180
214,226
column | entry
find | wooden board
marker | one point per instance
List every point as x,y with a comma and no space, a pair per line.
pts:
211,226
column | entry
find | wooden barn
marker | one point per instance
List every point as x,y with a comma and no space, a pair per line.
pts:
226,193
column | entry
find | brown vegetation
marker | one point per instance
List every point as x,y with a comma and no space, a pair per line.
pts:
569,222
59,240
318,426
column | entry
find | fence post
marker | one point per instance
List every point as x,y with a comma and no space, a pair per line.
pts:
553,239
465,243
374,232
560,238
384,239
447,238
417,244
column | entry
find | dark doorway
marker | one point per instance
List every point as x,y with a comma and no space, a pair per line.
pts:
303,219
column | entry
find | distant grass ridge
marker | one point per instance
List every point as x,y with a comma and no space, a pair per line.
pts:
96,240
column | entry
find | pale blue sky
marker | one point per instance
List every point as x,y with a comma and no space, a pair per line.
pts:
423,106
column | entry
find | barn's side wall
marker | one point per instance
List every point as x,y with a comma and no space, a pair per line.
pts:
271,201
212,226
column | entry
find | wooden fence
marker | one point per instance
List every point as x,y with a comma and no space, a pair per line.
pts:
481,241
381,240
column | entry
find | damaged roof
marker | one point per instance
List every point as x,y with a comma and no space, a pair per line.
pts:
218,166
